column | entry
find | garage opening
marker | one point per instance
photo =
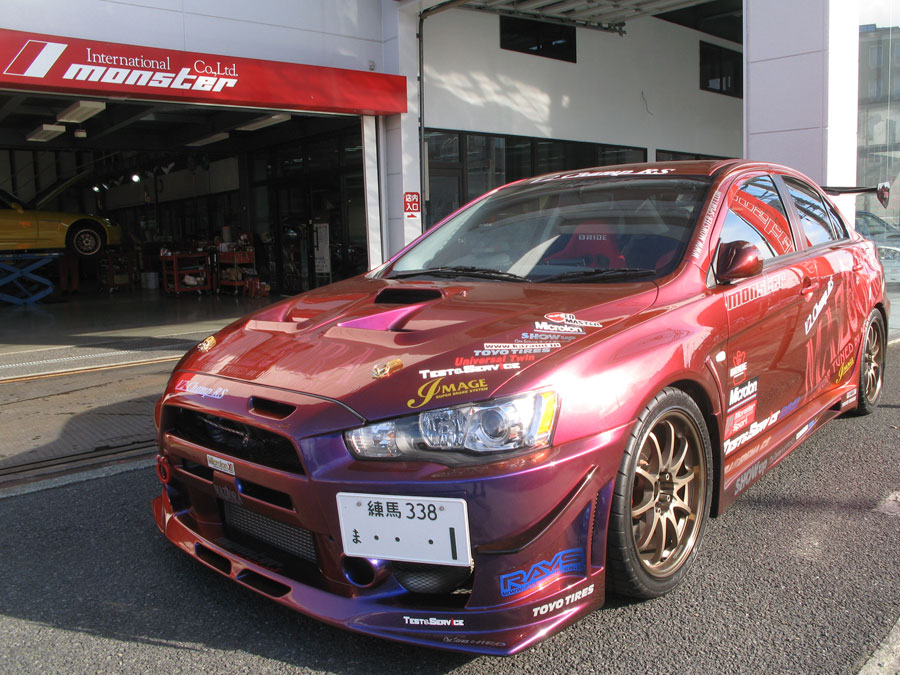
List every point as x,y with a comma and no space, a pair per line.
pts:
272,200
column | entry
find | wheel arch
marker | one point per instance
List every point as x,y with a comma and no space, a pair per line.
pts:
699,395
884,317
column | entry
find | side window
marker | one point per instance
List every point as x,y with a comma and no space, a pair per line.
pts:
736,228
756,215
817,226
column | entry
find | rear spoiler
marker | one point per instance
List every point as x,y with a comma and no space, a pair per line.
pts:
882,191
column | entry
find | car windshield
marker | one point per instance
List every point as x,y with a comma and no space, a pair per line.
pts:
564,231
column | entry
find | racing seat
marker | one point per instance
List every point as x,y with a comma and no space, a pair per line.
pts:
649,251
592,244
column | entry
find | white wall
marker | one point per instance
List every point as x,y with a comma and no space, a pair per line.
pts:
801,90
639,90
400,170
336,33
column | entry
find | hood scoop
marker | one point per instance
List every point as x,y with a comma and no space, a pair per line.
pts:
389,320
403,303
407,296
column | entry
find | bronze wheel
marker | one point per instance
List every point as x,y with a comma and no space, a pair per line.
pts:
668,495
661,499
871,366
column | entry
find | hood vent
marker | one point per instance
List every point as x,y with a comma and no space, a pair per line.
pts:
407,296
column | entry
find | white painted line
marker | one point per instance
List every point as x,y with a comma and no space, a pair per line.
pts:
891,505
97,355
120,336
886,659
79,477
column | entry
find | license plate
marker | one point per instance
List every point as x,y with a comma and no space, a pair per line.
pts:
409,529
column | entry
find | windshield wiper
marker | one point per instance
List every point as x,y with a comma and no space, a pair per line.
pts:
584,275
461,271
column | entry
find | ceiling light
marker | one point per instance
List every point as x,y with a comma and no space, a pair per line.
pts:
80,111
80,133
45,132
135,178
206,140
96,188
265,121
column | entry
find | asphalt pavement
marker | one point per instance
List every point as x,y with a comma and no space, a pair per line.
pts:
800,575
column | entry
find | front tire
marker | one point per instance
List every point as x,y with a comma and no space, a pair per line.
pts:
871,367
86,240
661,500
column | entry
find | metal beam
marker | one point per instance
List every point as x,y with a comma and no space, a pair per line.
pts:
444,6
11,106
527,5
100,128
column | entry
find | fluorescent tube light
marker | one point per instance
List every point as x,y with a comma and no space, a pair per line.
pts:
206,140
45,132
265,121
80,111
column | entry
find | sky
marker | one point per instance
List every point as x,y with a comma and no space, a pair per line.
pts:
883,13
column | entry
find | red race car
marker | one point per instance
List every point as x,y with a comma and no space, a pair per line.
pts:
546,396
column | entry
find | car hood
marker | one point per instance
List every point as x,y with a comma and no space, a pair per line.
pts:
386,348
54,190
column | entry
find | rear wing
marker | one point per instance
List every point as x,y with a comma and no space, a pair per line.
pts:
882,191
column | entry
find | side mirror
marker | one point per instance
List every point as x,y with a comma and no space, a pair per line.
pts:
738,260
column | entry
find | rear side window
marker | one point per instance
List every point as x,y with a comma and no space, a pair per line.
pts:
814,220
837,222
757,215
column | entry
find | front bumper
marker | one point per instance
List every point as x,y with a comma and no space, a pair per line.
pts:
538,536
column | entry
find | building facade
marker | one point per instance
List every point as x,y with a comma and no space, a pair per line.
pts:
487,98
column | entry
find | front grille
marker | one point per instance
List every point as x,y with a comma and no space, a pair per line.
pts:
288,538
232,438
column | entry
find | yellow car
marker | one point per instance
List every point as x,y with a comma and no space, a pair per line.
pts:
25,228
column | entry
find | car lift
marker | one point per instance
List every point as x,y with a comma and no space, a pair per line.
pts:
17,277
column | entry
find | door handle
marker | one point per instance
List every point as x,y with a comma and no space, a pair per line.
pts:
808,286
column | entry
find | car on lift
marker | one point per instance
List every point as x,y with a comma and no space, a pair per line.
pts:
545,397
24,227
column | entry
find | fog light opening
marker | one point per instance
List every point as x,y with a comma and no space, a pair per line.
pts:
364,572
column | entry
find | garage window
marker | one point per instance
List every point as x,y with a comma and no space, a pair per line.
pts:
550,40
721,70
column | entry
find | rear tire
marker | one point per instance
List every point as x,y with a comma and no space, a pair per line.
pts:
661,499
871,366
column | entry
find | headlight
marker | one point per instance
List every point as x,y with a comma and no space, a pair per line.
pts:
462,434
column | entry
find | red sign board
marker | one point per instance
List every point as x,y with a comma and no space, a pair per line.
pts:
32,62
411,202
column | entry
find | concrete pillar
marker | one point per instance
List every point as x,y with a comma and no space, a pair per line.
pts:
371,166
401,132
800,87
